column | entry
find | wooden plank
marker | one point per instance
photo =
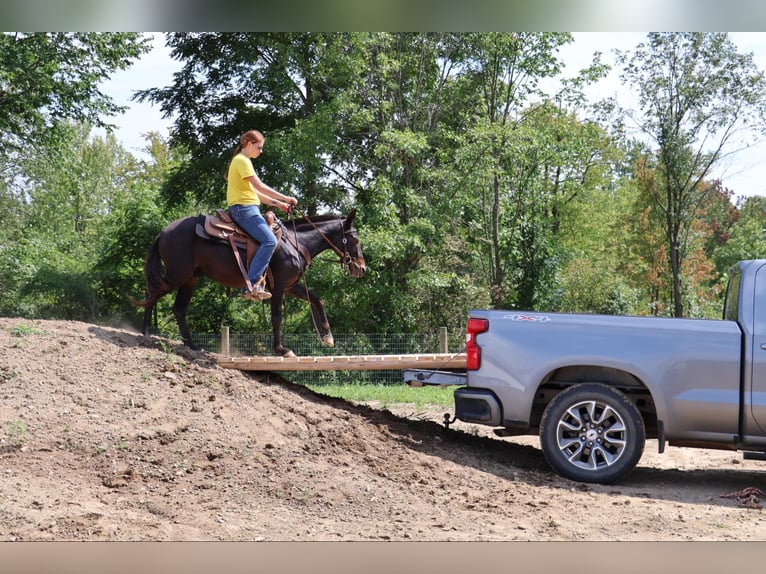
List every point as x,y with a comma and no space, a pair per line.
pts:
346,362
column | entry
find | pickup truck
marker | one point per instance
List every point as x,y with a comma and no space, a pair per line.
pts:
595,387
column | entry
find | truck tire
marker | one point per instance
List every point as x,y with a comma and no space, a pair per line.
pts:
591,432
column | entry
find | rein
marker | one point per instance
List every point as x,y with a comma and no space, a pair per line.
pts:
345,258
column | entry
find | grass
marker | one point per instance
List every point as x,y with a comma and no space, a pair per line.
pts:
16,431
22,330
389,395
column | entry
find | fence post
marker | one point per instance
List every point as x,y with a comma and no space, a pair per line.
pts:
443,341
225,340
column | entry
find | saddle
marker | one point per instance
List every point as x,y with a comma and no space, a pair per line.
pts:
221,227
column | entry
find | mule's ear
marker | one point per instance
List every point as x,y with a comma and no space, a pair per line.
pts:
350,217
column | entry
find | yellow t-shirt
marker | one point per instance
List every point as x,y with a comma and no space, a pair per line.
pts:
239,191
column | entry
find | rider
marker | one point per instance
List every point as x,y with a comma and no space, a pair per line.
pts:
244,194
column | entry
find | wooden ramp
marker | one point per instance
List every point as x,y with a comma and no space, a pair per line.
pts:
346,362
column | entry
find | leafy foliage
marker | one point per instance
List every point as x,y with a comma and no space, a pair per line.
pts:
47,78
474,187
696,94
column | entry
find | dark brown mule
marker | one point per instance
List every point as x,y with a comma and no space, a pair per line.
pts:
179,256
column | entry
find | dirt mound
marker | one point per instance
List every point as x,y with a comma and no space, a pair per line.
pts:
106,436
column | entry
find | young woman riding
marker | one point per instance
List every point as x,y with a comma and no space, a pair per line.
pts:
245,193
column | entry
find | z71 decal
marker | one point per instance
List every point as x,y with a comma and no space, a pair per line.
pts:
528,318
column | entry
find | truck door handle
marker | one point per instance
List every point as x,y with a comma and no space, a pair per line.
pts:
763,346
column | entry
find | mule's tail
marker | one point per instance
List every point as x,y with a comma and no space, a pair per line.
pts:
156,282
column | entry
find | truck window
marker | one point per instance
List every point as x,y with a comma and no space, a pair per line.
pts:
731,306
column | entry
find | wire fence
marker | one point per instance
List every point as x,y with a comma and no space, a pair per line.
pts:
251,345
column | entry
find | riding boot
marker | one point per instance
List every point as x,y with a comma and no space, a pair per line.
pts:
259,292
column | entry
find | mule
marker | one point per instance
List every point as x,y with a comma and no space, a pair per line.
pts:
179,256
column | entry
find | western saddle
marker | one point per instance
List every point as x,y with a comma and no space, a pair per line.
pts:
221,227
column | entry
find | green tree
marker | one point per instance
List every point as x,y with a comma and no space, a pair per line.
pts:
746,237
47,78
398,153
596,237
135,216
77,185
66,201
696,95
290,86
523,161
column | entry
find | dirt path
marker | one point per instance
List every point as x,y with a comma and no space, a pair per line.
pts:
104,438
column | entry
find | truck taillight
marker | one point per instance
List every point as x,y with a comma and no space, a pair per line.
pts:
472,350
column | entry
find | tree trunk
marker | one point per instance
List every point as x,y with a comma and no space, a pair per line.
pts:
497,263
675,265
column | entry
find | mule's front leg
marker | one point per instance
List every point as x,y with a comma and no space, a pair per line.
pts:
317,313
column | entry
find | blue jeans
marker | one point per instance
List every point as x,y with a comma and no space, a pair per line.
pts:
249,218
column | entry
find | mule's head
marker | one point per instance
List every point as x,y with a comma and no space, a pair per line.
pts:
353,259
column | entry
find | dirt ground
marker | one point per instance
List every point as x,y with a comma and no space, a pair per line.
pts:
107,437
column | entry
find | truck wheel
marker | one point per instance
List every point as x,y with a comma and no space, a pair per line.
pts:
592,433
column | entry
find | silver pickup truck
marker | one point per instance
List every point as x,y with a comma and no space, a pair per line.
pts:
595,387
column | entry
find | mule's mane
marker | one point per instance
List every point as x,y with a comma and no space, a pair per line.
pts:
316,219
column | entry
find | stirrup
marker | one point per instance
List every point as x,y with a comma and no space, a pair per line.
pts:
258,292
259,289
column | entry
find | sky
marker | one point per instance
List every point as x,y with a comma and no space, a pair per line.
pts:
745,174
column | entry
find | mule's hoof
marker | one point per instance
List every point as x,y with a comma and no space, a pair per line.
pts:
328,340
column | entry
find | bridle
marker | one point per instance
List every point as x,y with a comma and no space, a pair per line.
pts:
345,257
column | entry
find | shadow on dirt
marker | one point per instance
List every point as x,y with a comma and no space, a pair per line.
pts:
503,458
125,339
705,485
524,463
